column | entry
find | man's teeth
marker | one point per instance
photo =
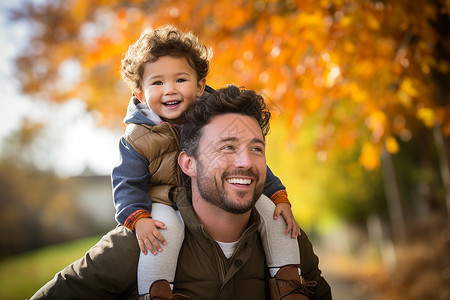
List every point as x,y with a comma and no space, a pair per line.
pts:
239,181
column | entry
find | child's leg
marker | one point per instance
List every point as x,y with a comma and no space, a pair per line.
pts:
163,265
280,249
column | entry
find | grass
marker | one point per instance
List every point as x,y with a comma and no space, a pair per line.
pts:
22,275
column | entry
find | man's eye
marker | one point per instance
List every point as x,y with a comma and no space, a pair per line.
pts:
157,83
228,147
257,149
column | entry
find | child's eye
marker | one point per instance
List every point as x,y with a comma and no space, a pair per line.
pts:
181,80
157,83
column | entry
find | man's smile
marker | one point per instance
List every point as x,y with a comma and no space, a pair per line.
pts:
236,180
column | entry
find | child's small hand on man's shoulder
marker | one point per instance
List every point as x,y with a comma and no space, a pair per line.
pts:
284,209
148,235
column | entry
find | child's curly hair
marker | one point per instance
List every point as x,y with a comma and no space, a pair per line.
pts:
163,41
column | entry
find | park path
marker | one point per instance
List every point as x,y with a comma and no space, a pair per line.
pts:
339,269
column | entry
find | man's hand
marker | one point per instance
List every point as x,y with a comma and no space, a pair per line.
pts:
285,211
149,236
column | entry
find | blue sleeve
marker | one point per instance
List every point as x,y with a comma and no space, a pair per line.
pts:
130,182
273,184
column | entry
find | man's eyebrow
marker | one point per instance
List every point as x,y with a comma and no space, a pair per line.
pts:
258,141
228,139
252,141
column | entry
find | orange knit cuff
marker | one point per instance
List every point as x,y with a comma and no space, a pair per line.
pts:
130,222
280,197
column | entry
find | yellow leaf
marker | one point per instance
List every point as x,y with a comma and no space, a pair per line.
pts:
427,116
391,144
313,104
372,22
347,20
405,100
377,121
370,156
79,10
408,87
357,94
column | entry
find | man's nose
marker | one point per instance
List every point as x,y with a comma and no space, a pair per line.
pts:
243,159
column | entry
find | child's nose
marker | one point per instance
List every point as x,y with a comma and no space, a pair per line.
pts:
170,88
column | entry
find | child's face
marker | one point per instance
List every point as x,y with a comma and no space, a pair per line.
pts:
169,87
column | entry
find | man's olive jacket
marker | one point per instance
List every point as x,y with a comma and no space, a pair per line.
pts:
109,269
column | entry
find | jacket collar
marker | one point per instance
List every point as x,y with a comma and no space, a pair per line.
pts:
184,204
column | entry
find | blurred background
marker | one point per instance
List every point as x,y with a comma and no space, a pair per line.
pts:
359,93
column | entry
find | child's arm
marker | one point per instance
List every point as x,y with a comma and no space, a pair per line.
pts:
276,191
131,200
130,184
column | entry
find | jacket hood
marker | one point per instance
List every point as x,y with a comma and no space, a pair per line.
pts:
138,113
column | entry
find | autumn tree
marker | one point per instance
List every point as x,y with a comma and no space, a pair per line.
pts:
359,92
373,74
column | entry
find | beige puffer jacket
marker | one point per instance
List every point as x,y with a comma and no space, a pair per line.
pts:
159,144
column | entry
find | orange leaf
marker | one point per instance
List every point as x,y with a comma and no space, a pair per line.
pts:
370,156
391,144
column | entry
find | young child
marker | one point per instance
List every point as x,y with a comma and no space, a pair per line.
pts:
166,70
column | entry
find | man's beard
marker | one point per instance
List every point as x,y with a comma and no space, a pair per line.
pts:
215,193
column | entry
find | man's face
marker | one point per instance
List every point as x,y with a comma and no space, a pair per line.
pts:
231,163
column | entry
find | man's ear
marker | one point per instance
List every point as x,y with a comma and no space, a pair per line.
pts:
187,164
140,95
200,87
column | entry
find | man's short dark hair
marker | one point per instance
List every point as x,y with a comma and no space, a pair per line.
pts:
223,101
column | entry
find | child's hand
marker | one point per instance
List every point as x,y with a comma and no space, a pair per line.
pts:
148,235
285,211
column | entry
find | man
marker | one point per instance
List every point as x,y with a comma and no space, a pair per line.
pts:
223,153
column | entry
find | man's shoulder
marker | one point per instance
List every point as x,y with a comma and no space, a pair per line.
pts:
120,238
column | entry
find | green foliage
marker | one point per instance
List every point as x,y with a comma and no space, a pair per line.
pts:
322,186
22,275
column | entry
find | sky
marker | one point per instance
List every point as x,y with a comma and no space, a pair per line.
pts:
74,140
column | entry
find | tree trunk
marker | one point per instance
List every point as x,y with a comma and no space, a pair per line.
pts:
382,242
443,163
392,195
